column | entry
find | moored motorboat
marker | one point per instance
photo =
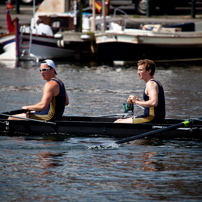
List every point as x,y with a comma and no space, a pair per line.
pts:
155,42
25,43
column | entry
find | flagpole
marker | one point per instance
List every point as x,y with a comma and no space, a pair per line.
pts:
93,19
34,10
103,16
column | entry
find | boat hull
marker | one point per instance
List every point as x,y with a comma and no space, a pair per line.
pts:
92,126
8,44
134,52
43,47
133,46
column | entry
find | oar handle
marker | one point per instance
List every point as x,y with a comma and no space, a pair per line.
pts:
18,111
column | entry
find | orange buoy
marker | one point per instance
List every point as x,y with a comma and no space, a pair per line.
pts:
9,5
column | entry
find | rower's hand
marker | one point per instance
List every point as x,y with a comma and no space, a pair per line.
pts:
129,100
25,107
132,99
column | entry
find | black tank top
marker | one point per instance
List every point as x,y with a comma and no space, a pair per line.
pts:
55,109
159,110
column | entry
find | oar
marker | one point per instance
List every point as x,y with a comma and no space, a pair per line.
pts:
185,123
126,113
20,111
127,109
119,114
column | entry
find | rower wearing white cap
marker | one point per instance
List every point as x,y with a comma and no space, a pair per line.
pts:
54,99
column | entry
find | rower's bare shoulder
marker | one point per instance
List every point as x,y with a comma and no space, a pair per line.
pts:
155,82
151,83
50,85
152,86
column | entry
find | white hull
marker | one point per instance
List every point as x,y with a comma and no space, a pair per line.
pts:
42,47
9,47
66,44
148,37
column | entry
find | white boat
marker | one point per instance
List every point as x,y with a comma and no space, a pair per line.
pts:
177,43
28,45
9,47
41,47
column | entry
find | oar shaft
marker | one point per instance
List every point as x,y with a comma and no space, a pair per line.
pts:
139,106
18,111
185,123
28,119
120,114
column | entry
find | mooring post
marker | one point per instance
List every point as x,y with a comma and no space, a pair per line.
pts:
148,8
17,6
193,8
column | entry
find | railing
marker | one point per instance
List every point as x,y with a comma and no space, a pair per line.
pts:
22,31
30,40
124,19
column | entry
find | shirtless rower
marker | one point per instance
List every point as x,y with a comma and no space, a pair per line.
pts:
154,100
54,99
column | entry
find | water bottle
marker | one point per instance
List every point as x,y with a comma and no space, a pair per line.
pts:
128,107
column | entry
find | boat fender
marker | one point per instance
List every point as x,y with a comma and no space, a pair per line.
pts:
85,37
60,43
58,36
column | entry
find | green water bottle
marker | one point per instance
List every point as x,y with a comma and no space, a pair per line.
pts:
128,107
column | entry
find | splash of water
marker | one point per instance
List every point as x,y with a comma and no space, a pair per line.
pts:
106,145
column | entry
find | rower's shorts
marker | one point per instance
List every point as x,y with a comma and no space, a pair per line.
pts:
142,119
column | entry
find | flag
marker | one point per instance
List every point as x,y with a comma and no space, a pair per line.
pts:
10,25
98,6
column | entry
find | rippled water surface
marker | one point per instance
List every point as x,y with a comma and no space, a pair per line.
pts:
67,170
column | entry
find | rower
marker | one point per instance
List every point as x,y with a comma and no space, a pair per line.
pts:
154,100
54,99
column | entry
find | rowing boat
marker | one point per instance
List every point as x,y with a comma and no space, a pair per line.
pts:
97,127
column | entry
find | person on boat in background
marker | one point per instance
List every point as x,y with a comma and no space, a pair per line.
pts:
54,99
43,29
153,95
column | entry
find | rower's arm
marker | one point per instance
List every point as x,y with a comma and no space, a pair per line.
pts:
152,89
46,98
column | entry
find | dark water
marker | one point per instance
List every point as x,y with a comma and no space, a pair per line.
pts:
144,170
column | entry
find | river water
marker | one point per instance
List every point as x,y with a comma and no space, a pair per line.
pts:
143,170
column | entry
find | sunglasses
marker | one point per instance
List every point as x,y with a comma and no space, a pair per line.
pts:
43,70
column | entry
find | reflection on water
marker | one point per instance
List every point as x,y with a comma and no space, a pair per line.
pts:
66,170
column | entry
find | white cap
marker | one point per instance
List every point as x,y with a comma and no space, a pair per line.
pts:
50,63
